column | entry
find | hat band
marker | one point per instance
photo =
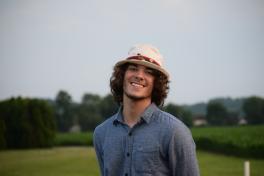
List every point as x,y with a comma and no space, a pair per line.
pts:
145,59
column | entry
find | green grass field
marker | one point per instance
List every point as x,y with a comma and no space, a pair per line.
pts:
65,161
81,161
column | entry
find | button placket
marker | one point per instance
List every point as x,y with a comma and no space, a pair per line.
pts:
129,149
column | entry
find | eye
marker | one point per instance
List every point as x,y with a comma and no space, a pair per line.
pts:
132,68
150,71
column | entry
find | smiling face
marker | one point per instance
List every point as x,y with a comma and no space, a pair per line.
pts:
138,82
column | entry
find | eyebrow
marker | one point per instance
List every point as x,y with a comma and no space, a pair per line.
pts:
147,68
131,64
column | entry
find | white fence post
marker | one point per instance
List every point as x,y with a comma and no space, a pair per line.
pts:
246,168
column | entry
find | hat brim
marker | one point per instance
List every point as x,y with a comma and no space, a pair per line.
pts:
144,63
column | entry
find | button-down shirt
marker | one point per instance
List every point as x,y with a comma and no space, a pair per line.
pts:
158,145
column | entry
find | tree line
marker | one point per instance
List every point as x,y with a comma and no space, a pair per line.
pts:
252,107
93,109
26,122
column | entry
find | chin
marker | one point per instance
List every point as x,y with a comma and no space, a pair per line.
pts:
137,97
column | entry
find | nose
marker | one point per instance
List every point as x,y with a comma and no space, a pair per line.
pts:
140,74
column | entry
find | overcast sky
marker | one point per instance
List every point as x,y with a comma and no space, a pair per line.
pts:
211,48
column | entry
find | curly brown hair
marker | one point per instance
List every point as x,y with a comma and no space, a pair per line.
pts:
160,88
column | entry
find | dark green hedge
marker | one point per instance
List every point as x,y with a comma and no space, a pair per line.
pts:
73,139
26,123
243,141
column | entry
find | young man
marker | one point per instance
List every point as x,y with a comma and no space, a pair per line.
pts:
140,139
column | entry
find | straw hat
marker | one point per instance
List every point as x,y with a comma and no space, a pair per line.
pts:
146,55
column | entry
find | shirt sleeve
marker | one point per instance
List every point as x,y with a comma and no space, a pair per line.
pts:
182,154
98,150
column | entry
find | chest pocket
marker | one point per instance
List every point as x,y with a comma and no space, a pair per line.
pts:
146,159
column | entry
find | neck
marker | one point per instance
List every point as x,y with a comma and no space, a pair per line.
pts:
132,109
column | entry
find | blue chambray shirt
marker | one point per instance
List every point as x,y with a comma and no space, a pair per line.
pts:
158,145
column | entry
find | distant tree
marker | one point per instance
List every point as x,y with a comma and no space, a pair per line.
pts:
232,118
64,111
94,109
15,114
216,113
2,133
89,112
179,112
89,118
187,118
42,122
254,110
108,106
91,99
28,123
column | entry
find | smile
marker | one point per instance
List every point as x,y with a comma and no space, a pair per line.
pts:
137,85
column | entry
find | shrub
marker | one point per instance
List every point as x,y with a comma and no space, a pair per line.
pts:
74,139
28,123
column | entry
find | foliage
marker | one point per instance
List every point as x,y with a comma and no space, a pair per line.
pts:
74,139
232,105
245,141
216,114
108,106
184,115
63,111
26,123
88,112
2,134
92,110
254,110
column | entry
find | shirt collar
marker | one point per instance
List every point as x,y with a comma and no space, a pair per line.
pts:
146,115
118,117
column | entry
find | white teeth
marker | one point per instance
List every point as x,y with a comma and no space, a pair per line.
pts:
137,85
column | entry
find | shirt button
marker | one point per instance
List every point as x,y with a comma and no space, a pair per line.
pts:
130,134
128,154
126,174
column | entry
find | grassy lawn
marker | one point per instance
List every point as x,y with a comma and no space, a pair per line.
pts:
81,161
65,161
221,165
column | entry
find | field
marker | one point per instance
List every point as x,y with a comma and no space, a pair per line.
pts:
65,161
243,141
247,143
81,161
